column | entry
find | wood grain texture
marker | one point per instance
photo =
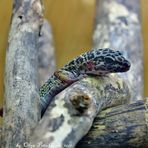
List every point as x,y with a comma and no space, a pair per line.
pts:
46,58
21,108
118,26
119,127
67,27
71,113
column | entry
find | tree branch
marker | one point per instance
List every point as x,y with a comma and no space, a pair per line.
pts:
71,113
118,26
123,126
21,110
46,66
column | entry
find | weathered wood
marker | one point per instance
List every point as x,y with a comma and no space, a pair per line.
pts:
47,64
21,110
119,127
46,57
71,113
118,26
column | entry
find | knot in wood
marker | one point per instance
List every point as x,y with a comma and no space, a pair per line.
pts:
81,102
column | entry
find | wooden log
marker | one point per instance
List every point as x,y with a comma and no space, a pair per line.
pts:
119,127
21,109
47,65
118,26
46,57
71,113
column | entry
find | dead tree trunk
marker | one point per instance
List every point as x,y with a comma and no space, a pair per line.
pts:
119,127
46,65
71,113
118,26
21,108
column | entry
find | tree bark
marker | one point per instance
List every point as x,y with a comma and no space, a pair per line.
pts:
118,26
119,127
47,64
71,113
21,108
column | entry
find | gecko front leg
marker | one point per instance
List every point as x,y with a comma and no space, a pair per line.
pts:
67,76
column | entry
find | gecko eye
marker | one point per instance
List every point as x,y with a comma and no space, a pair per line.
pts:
109,60
120,59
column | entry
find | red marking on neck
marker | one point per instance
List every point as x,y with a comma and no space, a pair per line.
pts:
90,65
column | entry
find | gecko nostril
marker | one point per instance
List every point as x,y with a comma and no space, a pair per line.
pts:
127,65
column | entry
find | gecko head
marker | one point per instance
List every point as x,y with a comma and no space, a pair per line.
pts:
111,61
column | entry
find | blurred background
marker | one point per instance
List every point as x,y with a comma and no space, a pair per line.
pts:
72,31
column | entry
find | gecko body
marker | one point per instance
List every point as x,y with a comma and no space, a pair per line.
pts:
93,62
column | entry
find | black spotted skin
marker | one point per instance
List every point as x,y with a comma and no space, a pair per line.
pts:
93,62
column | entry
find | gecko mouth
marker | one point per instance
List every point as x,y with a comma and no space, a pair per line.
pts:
94,73
127,66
